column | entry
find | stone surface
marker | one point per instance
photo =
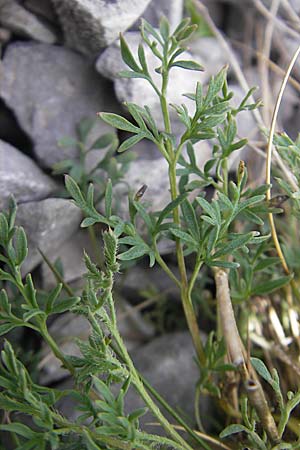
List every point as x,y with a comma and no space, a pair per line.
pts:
67,327
21,22
158,8
110,63
89,25
43,8
48,224
50,89
21,177
167,363
152,173
208,51
70,255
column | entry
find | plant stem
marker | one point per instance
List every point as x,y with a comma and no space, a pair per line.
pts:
185,289
144,394
55,349
164,266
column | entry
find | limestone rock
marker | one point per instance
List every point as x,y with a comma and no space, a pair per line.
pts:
208,51
50,89
21,177
110,63
158,8
42,8
48,224
21,22
88,25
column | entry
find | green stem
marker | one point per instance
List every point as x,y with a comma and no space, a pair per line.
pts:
185,290
145,396
173,413
95,244
55,349
285,415
164,266
194,276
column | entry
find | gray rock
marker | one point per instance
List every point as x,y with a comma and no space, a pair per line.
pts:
152,173
88,25
21,177
42,8
5,36
21,22
50,89
159,362
208,51
70,255
48,224
158,8
110,63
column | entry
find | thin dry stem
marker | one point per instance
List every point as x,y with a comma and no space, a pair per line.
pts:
269,159
278,22
263,66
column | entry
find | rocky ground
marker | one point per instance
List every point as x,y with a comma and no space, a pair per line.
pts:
59,63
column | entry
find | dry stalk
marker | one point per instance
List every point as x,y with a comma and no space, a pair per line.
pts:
278,22
267,101
237,354
241,77
269,159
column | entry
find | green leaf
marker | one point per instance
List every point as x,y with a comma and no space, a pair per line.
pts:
20,242
208,209
170,207
18,428
236,243
183,236
130,142
103,141
65,305
118,122
52,296
74,190
130,74
32,313
190,219
266,262
232,429
145,216
135,252
270,286
137,414
62,166
6,327
224,264
127,55
188,65
103,389
108,198
4,303
67,142
3,230
261,368
88,222
84,127
142,58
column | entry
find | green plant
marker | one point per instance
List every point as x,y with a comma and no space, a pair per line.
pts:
223,234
